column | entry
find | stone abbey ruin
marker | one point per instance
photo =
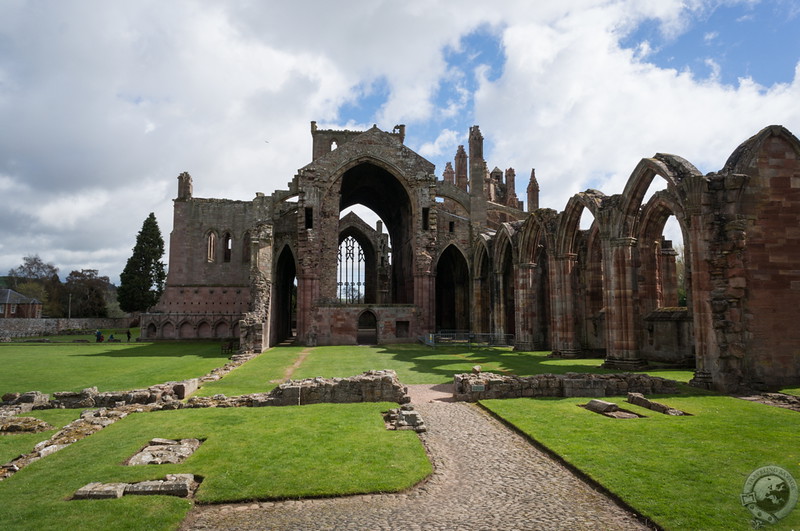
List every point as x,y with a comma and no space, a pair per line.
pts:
460,254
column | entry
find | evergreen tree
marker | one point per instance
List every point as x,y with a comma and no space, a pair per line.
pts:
142,280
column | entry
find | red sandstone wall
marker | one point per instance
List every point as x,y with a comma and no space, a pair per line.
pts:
772,204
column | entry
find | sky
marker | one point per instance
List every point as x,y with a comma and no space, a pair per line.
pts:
103,103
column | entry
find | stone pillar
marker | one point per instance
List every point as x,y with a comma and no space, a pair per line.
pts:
669,275
477,178
698,244
525,306
461,168
562,304
619,284
449,175
533,193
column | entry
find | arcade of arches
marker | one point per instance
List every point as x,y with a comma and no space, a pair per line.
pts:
461,254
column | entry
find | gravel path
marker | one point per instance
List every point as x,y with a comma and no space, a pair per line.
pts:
486,477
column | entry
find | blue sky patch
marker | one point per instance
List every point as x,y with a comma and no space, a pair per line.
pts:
733,41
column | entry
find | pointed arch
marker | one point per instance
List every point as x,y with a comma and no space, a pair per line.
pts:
482,286
452,290
283,313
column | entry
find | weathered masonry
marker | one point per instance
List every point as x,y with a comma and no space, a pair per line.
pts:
460,254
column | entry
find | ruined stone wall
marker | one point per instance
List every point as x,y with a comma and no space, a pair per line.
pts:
770,280
487,385
12,328
338,324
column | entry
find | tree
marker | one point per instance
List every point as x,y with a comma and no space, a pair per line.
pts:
32,268
35,276
88,292
142,280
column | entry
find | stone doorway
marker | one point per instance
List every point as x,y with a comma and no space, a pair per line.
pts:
367,329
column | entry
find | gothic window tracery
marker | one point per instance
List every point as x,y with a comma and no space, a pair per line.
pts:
351,265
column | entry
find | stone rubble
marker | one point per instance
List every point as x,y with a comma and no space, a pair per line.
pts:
164,451
23,425
181,485
639,399
405,418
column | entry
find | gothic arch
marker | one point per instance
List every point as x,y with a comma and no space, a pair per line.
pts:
284,296
381,187
533,305
671,168
222,329
505,261
452,290
482,287
569,222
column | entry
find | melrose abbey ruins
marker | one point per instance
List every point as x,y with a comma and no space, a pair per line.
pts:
461,255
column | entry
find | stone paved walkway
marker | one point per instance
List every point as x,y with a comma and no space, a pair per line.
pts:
486,477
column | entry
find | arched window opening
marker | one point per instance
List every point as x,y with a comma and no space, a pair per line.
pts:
366,260
211,247
227,247
334,145
351,272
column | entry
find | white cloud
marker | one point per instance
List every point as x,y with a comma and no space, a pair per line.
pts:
103,114
447,142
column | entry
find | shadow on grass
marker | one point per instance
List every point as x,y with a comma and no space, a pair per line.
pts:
445,361
200,349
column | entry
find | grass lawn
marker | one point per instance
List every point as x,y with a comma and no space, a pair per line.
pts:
682,472
258,375
419,364
16,444
791,391
248,453
109,366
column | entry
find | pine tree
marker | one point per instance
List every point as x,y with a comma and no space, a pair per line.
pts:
142,280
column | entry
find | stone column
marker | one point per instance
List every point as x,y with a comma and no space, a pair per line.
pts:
619,283
525,312
563,306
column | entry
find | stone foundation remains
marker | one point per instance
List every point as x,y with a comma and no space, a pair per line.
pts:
474,387
638,399
404,418
371,386
182,485
164,451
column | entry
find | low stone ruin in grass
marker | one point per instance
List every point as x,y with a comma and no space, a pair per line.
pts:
638,399
609,409
371,386
485,385
404,418
23,425
182,485
164,451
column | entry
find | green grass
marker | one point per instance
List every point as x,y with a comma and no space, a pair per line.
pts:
682,472
16,444
791,391
418,364
258,375
248,454
109,366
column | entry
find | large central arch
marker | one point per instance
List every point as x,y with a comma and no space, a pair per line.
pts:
376,188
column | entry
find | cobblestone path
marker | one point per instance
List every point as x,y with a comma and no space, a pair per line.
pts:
486,477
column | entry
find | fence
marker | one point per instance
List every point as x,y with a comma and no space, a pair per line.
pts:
465,337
